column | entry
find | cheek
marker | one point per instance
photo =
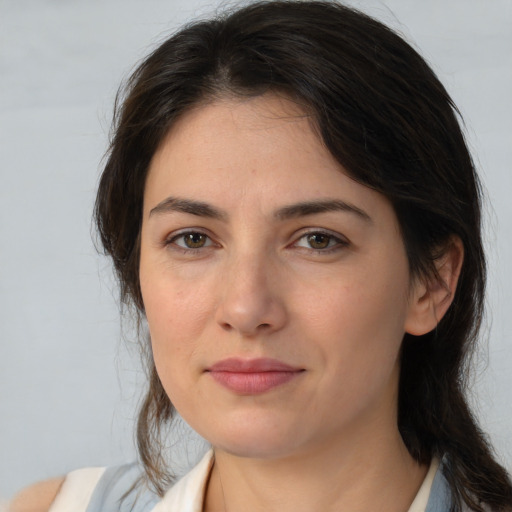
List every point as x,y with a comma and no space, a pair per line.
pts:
359,324
356,302
177,312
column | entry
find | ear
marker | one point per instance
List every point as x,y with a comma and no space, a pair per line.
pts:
431,296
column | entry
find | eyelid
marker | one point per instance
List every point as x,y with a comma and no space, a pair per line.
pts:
341,241
170,240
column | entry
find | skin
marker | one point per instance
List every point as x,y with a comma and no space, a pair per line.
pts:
36,498
328,293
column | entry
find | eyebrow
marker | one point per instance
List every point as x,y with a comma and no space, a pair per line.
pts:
202,209
199,208
321,206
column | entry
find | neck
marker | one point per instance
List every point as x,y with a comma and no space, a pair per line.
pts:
334,477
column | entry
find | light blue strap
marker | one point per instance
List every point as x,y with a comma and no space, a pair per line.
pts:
440,496
109,493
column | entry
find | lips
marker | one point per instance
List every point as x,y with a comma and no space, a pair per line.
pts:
252,376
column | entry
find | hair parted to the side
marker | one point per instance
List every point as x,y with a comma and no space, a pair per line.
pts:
390,123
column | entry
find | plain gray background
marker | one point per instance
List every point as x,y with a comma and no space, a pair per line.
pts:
68,384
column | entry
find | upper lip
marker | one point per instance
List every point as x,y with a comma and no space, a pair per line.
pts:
264,364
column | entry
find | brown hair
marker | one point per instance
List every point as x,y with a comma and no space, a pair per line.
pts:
387,119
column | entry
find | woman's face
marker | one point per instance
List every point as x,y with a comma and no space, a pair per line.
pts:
275,287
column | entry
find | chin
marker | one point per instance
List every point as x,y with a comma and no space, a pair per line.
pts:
254,439
256,448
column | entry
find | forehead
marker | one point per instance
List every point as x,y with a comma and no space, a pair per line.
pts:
215,132
264,149
269,122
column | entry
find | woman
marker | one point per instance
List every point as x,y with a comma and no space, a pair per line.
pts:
290,204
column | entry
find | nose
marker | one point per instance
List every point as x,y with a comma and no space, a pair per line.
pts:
251,297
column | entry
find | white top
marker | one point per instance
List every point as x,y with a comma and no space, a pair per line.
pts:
187,495
76,491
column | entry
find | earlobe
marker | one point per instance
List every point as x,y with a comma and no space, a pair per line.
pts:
432,295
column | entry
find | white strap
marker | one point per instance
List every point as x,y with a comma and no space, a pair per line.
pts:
421,501
76,491
188,494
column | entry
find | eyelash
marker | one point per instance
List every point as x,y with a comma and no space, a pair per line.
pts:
171,242
337,241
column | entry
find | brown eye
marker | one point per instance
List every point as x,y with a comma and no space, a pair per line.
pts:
319,240
192,240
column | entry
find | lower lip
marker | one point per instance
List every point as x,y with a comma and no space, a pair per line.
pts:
252,383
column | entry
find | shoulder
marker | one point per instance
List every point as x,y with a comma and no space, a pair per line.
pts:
93,489
38,497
